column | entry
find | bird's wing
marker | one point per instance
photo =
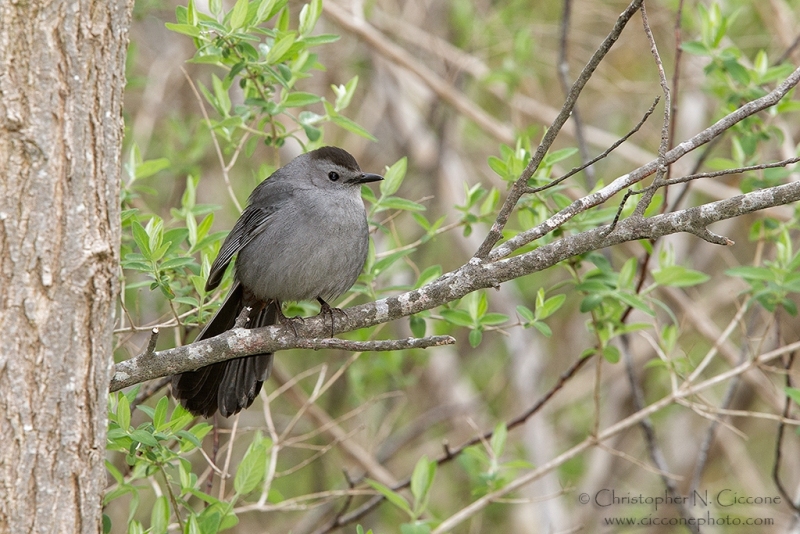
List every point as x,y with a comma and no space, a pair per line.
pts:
252,222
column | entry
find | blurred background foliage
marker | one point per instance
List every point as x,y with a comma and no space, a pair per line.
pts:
222,93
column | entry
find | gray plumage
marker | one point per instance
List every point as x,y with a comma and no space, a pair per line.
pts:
303,236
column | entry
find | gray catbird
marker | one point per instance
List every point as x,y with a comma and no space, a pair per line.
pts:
303,236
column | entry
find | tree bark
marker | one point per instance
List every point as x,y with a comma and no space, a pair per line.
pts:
62,75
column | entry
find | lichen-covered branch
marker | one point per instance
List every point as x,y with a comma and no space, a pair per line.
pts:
451,286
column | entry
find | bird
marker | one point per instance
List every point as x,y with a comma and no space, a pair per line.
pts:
304,235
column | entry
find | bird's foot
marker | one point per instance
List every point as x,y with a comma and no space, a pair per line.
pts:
291,322
326,308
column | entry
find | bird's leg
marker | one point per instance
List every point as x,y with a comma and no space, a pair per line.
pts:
326,308
288,321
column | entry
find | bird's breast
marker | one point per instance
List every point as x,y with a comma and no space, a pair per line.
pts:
317,249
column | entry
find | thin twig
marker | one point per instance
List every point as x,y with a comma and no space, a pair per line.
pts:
684,392
224,476
653,448
776,466
602,155
518,189
676,77
563,78
218,149
715,174
450,453
664,145
150,389
789,51
625,181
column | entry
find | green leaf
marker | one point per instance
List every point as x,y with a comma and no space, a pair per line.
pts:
475,337
611,354
312,133
300,99
397,203
325,38
498,166
215,6
525,313
696,48
421,482
793,393
417,325
737,71
309,16
185,29
150,167
253,466
191,526
634,301
457,317
498,441
180,418
550,306
559,155
394,177
752,273
141,238
239,14
493,318
265,10
144,437
391,496
591,302
221,95
160,415
280,48
428,275
389,260
176,263
417,527
626,274
123,413
351,126
679,276
159,517
543,328
344,93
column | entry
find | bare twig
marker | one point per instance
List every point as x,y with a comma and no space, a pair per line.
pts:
529,477
776,466
218,149
715,174
444,90
653,448
676,78
625,181
602,155
563,78
450,453
518,189
661,173
150,389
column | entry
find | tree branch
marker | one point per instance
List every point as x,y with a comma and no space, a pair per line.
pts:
627,180
241,342
518,189
447,288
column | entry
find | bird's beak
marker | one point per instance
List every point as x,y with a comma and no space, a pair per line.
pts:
367,178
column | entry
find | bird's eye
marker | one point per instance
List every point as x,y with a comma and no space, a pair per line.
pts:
333,176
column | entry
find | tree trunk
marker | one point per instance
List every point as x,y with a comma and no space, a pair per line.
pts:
62,75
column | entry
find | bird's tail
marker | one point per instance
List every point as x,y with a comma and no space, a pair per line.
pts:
232,385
